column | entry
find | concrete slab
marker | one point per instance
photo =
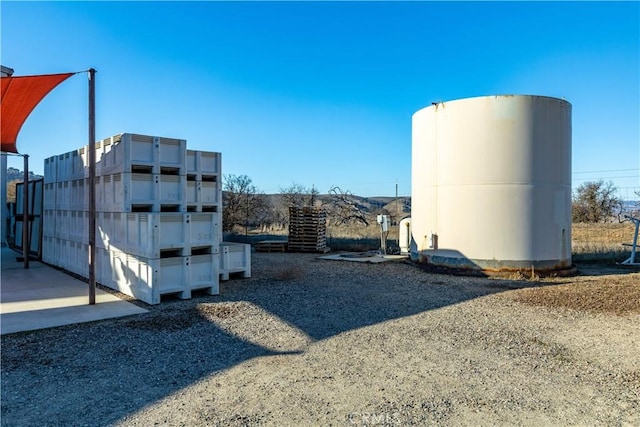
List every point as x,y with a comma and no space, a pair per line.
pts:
370,257
42,297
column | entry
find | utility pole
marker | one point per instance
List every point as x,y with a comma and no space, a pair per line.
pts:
92,186
397,214
397,210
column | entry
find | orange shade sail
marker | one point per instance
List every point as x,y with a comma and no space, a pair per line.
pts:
18,97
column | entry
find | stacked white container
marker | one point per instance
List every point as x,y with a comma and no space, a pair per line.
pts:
204,194
156,232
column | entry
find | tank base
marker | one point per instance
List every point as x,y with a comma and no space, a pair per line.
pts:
504,273
494,268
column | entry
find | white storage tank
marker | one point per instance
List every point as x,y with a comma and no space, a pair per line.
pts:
491,184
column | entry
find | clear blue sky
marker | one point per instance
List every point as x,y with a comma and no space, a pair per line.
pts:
322,93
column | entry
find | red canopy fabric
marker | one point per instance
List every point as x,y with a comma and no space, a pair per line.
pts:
18,97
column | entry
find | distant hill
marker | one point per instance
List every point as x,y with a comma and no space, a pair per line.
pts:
371,205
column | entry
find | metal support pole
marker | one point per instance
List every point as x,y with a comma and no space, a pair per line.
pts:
634,246
3,198
25,213
397,221
92,186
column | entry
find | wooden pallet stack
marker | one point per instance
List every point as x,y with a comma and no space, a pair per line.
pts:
271,246
307,230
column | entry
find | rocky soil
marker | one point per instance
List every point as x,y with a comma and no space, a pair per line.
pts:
316,342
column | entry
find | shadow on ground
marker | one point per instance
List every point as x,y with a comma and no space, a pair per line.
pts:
115,368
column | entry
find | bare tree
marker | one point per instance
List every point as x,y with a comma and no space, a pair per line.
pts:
345,208
243,203
297,195
595,202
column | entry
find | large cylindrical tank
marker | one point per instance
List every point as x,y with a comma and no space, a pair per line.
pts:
491,184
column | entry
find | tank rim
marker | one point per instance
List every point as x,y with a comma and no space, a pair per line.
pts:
502,95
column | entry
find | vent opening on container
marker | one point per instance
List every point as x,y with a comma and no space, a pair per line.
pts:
209,209
209,178
170,208
170,253
191,208
202,250
146,169
191,177
142,208
169,171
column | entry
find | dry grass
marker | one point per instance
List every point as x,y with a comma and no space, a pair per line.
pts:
590,242
600,238
586,238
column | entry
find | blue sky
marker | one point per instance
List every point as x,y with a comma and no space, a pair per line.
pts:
322,93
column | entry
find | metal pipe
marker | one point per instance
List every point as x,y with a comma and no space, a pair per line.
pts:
634,245
25,213
92,186
635,242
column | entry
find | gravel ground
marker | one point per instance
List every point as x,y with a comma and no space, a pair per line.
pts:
317,342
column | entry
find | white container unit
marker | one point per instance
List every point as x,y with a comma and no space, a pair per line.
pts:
203,163
79,226
148,234
63,195
50,170
78,262
79,163
211,193
491,184
147,279
49,196
204,193
49,223
124,192
126,153
152,234
62,223
235,258
48,250
147,244
193,191
64,167
111,230
103,270
79,194
61,253
204,229
204,273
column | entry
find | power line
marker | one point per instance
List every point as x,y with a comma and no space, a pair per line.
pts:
607,177
607,171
